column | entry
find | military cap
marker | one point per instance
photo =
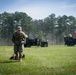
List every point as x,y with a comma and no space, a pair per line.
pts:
19,28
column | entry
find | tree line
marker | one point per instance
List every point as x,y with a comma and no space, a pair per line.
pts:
52,28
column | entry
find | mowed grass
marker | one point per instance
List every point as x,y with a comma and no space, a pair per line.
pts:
52,60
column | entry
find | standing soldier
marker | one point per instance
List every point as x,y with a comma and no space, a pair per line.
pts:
19,38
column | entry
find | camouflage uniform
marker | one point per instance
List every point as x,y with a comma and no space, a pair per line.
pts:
19,40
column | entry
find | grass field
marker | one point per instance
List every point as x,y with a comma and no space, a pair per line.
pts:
52,60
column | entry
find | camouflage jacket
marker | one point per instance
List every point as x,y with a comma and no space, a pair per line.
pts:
18,38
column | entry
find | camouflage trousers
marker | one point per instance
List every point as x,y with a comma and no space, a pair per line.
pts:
18,50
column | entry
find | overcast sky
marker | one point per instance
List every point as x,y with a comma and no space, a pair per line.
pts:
39,9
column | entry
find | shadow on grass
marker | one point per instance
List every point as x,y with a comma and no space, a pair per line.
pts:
9,61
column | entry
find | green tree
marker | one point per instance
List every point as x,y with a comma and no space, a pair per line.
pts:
50,23
71,24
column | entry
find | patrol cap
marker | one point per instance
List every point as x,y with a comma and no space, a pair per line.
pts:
19,28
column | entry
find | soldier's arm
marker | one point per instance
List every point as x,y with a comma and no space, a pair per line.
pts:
24,37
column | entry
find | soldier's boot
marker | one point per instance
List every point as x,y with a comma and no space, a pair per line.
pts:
13,57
